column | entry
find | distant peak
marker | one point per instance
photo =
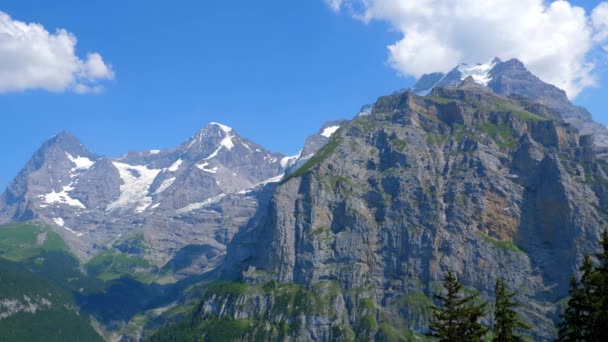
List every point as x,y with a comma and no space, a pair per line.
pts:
226,129
64,139
514,62
66,142
215,133
496,60
64,135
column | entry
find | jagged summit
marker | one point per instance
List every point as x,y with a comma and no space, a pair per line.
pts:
67,142
225,128
480,72
512,78
214,136
93,199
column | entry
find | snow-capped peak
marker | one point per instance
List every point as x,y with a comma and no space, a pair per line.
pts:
226,129
479,72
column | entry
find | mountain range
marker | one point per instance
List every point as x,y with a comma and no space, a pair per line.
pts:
486,171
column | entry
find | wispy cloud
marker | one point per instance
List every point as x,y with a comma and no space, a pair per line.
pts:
33,58
558,41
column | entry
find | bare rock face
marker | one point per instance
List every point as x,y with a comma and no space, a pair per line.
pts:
463,179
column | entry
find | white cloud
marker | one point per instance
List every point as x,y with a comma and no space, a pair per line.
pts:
557,41
33,58
599,18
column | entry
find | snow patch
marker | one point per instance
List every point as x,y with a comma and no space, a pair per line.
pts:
136,185
289,161
479,72
154,151
155,206
274,179
329,131
365,110
212,155
226,129
308,156
82,163
62,197
164,185
196,206
227,141
60,222
203,166
270,159
175,166
247,146
74,232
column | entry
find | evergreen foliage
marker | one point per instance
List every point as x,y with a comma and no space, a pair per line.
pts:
586,316
599,327
506,321
457,318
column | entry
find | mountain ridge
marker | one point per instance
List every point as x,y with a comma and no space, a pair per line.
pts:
512,78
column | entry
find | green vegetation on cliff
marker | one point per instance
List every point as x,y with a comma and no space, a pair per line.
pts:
111,264
289,305
55,317
19,241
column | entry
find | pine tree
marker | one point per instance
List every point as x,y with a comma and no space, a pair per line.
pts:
600,297
457,317
506,322
569,329
579,317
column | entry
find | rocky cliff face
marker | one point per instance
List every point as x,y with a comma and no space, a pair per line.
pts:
462,179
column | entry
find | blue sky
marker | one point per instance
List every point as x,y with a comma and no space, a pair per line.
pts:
274,70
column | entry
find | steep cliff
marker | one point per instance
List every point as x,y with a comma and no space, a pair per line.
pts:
462,179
